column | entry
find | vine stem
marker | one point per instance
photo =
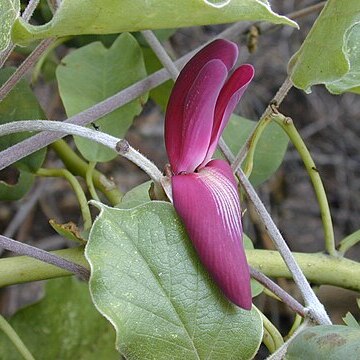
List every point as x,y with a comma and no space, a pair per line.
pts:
279,292
349,241
317,267
66,174
15,339
25,66
161,53
316,309
42,255
121,146
288,126
89,180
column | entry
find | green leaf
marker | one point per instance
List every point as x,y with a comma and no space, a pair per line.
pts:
136,196
93,73
19,104
147,280
63,325
69,231
330,342
270,150
330,54
75,17
9,11
349,320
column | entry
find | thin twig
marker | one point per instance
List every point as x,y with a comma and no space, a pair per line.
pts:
279,292
42,255
161,53
25,66
122,147
30,8
15,339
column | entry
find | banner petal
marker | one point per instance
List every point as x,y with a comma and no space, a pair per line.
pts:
222,50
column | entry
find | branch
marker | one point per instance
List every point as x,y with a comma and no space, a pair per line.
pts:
42,255
316,267
122,147
161,53
25,66
279,292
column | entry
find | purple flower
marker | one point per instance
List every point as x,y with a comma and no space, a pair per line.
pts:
204,190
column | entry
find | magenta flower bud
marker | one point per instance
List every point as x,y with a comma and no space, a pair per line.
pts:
204,190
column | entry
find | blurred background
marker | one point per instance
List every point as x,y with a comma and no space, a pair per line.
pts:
329,125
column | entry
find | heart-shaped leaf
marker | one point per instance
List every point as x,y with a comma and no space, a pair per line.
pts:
75,17
63,325
330,54
147,280
93,73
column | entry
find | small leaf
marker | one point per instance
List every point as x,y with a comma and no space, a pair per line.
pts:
330,342
69,231
63,325
147,280
349,320
93,73
75,17
137,196
270,150
9,11
19,104
330,54
12,192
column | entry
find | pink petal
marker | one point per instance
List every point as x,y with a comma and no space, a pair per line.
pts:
198,115
222,50
208,204
229,97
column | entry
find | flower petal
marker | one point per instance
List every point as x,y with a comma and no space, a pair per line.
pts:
222,50
229,97
198,115
208,204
